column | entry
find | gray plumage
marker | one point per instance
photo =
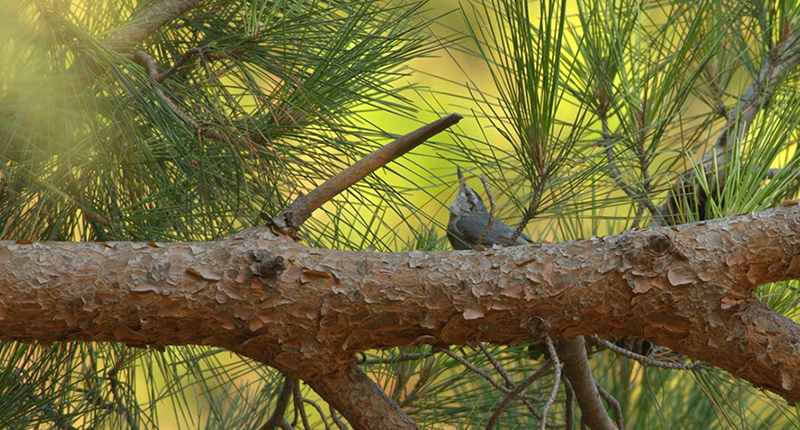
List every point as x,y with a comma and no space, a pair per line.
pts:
469,218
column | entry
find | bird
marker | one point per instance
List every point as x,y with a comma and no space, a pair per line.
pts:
468,221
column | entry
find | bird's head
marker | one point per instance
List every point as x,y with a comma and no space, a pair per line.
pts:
467,200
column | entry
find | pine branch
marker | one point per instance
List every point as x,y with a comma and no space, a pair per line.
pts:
147,21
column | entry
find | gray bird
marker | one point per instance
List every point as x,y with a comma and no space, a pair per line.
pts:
469,218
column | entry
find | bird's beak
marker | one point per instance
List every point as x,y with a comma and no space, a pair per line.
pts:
460,175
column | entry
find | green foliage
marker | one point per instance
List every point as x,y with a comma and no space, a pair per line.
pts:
268,107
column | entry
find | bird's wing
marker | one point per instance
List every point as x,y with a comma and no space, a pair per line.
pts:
470,227
473,226
503,233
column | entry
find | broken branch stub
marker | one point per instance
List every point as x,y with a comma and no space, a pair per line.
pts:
288,221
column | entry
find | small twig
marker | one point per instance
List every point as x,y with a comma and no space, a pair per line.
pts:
717,92
526,399
474,369
298,405
402,375
147,21
288,221
569,404
399,358
179,64
426,370
496,364
486,376
637,197
111,375
491,209
603,103
610,400
319,411
278,418
143,59
647,361
556,378
532,211
335,417
616,174
516,391
642,155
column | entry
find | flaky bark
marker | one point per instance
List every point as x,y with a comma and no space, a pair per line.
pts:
689,288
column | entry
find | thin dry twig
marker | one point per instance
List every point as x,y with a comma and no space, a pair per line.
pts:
319,411
335,417
533,208
496,364
298,405
639,197
114,384
556,378
146,22
474,369
278,418
515,392
180,64
288,221
143,59
610,400
399,358
401,377
526,399
545,367
645,360
569,404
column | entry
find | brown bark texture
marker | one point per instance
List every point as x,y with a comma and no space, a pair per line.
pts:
688,287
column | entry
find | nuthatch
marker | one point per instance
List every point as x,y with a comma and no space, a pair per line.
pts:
469,218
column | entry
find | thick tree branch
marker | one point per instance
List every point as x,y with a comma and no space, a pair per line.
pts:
688,288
